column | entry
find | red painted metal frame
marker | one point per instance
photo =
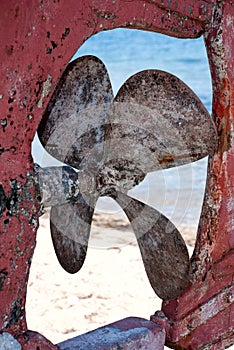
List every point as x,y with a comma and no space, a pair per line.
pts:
38,38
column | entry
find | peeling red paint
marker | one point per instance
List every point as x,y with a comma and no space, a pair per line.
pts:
212,262
38,38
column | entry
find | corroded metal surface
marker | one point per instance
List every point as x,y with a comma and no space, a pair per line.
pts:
73,130
128,334
38,39
8,342
73,125
56,185
154,122
161,246
158,122
200,9
70,228
209,297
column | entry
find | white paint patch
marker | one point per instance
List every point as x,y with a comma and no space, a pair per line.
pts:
47,85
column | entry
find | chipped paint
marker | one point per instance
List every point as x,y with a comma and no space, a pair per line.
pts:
131,333
46,88
207,311
212,262
24,32
18,194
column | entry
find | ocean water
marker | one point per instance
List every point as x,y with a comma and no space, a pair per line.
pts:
177,192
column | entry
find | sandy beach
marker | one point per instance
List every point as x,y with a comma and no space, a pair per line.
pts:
111,285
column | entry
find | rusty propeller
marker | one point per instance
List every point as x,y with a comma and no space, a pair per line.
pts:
155,122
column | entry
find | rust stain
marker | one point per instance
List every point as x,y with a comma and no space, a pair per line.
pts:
180,18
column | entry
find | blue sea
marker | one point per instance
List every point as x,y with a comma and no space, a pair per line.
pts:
177,192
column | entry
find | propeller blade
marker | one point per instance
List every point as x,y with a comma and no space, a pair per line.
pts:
162,247
70,225
75,121
73,130
157,122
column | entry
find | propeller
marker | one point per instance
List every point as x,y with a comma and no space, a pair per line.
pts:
73,130
155,122
163,250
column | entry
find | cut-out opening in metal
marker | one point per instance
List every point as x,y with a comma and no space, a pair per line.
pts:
178,192
184,183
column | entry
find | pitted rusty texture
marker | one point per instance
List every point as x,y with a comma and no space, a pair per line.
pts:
38,41
85,91
162,248
70,229
56,185
159,122
154,122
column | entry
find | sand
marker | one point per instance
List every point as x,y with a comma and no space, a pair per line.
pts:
111,285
